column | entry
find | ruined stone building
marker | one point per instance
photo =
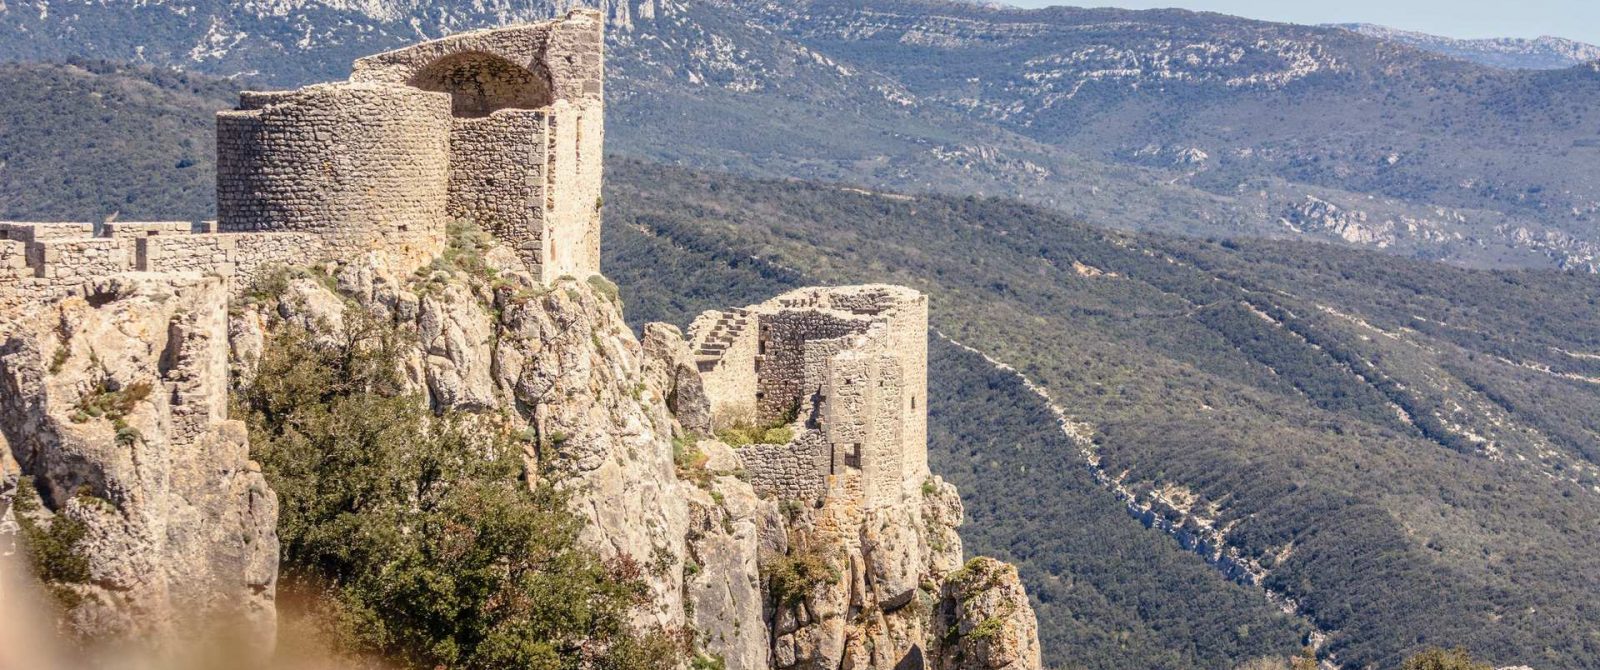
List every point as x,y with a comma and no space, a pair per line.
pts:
121,341
847,367
504,128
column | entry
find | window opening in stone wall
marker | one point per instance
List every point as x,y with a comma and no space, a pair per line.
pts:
480,84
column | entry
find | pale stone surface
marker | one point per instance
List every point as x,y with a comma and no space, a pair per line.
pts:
723,584
181,524
670,369
986,606
457,342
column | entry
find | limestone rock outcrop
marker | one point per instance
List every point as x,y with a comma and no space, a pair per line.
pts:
986,612
670,368
115,403
556,360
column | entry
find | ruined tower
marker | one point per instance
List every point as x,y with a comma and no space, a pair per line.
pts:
503,127
846,366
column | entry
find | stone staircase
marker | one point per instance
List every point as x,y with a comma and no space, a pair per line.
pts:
727,329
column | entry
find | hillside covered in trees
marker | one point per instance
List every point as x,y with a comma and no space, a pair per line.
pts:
1407,450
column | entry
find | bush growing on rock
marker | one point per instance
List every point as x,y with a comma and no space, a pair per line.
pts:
434,550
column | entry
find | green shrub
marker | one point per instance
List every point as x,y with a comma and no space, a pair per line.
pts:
605,288
793,576
690,461
465,246
111,405
435,551
741,434
1434,658
52,548
705,662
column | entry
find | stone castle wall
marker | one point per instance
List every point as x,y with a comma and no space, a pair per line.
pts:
498,173
794,471
503,127
45,261
795,348
528,135
852,360
362,165
730,374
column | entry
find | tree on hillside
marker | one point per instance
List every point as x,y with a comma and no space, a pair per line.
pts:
1434,658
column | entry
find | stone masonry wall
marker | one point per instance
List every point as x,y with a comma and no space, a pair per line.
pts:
782,379
794,471
556,67
62,259
570,51
853,359
498,167
573,195
358,164
239,256
729,379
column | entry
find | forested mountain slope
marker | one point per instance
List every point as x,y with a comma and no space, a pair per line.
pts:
1539,53
94,139
1403,449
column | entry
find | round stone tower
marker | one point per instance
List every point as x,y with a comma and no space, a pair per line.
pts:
364,165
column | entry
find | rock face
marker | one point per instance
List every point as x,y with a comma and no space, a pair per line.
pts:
981,611
763,581
896,595
115,403
556,360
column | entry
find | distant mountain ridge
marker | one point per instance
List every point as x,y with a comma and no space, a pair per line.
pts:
1170,120
1540,53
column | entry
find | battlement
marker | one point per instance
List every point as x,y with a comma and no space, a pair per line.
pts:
44,261
846,365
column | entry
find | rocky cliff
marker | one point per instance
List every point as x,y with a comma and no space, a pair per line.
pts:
116,407
114,404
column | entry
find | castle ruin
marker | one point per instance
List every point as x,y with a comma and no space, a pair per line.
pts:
503,128
846,367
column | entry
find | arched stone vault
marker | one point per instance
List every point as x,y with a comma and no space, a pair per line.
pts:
480,83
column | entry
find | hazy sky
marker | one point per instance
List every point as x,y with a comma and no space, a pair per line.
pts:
1576,19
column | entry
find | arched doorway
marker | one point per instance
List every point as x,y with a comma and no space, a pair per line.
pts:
480,83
